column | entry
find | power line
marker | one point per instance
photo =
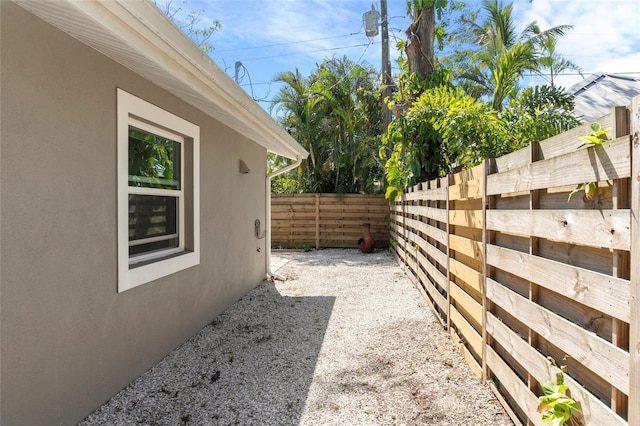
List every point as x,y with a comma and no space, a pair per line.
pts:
309,51
288,43
264,99
524,75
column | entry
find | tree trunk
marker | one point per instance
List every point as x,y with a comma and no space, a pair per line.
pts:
420,37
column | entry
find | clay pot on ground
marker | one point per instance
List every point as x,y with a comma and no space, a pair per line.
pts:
366,244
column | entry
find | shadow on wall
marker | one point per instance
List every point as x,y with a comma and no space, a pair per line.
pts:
252,364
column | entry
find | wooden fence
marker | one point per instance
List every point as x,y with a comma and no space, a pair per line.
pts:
327,220
522,276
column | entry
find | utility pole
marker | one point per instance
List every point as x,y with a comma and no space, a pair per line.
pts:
386,65
371,30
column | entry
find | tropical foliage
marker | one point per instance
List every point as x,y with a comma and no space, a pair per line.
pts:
502,54
335,114
451,109
442,130
453,119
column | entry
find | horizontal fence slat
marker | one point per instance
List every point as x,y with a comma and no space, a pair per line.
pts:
510,383
435,275
466,354
423,289
605,293
512,161
436,194
464,190
542,370
606,162
466,331
429,250
466,246
428,212
474,173
468,218
470,276
592,228
601,357
463,300
567,141
440,235
427,284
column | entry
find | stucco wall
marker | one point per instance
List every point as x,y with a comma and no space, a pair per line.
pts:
69,341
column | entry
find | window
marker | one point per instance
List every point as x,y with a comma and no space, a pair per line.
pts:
158,192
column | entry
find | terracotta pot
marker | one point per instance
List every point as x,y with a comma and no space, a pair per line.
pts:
366,244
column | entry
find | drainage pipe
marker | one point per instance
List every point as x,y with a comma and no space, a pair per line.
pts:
271,274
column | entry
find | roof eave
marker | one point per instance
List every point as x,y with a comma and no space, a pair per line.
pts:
137,35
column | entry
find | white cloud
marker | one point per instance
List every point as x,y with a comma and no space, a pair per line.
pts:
605,35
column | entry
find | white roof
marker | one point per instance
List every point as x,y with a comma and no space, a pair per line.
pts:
597,94
138,36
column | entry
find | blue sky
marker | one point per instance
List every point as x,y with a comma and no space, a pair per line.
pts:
273,36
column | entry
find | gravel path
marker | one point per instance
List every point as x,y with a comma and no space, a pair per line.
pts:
346,340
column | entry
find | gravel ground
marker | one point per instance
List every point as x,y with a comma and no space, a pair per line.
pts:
346,340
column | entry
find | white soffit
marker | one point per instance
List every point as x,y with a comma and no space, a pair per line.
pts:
138,36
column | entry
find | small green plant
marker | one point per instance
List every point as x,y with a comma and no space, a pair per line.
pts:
595,138
556,405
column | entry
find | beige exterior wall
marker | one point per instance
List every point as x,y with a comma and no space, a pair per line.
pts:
69,341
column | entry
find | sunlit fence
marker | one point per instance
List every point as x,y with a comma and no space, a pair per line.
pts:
525,278
327,220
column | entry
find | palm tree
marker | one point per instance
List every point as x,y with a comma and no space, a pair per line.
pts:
504,54
346,88
335,115
551,62
297,100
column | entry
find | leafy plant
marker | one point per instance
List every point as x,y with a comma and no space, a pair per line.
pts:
539,113
442,130
556,405
597,136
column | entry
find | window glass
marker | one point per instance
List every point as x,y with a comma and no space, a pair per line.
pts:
154,161
152,223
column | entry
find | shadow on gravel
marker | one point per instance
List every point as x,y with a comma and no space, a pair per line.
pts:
253,364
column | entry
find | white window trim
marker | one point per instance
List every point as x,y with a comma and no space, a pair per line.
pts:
131,110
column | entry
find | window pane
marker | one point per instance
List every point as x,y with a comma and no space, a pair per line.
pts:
153,223
154,161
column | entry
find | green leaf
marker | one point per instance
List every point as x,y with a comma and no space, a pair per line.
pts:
575,191
590,140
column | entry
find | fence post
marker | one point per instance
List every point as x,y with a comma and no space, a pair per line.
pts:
444,183
486,165
634,332
317,221
621,258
